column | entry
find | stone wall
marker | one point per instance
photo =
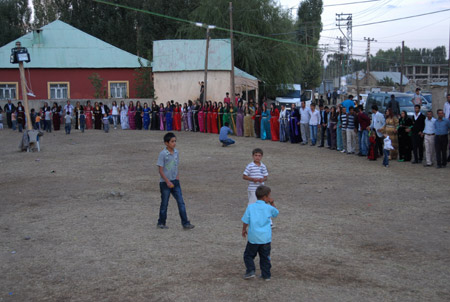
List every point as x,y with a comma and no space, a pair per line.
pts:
40,103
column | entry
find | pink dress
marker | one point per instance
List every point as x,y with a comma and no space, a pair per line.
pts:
201,120
131,120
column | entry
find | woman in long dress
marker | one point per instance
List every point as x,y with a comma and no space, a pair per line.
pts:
201,118
284,124
138,116
390,129
215,114
190,116
265,123
168,116
209,119
161,117
274,123
195,112
131,115
88,112
295,135
115,110
333,118
78,109
219,116
240,119
184,117
56,117
146,116
248,121
226,114
97,116
233,113
404,137
257,120
154,123
124,116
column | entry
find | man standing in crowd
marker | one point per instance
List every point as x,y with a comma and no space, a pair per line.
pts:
394,105
329,97
68,108
442,127
9,109
335,96
305,116
447,116
348,103
323,125
363,134
344,129
429,136
417,99
417,135
378,122
351,131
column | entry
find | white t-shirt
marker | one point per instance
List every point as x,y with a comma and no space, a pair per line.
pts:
115,110
305,115
255,171
315,118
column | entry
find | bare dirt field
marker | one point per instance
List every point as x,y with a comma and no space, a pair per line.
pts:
348,229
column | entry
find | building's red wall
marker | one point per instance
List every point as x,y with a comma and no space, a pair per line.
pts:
80,86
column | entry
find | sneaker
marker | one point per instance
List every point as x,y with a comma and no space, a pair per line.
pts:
343,151
249,275
188,226
265,279
162,226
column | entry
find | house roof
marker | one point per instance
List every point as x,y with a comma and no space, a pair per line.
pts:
395,76
59,45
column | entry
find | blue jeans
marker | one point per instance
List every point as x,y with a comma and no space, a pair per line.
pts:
176,193
386,157
264,258
48,125
82,126
363,138
68,127
227,141
313,132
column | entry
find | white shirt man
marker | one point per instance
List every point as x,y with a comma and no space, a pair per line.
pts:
305,116
429,136
447,107
68,108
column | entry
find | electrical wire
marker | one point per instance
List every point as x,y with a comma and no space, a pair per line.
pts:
339,4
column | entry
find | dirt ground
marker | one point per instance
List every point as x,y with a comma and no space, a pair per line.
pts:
348,229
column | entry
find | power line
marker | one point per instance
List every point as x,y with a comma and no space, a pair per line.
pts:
351,3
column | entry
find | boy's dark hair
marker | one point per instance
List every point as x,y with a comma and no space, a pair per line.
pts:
375,107
262,191
418,106
168,137
68,113
227,124
257,150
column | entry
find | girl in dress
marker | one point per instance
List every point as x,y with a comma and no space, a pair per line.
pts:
226,113
97,116
284,122
184,117
155,117
190,116
88,112
257,120
209,119
56,117
390,129
274,123
372,145
131,115
265,123
77,110
233,114
146,116
177,116
138,116
294,128
215,114
248,121
240,119
201,118
162,120
219,115
123,116
115,113
168,116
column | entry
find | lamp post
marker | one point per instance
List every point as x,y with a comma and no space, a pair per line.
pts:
208,27
19,55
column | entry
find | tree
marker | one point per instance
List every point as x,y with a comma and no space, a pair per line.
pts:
386,81
15,18
144,81
99,88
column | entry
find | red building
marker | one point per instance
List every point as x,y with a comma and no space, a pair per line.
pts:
67,63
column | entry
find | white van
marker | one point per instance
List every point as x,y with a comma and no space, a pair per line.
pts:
289,94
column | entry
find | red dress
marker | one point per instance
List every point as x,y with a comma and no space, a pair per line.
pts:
214,121
372,143
88,113
177,119
210,116
275,125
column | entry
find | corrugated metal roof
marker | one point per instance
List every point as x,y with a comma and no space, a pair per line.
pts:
189,55
240,73
395,76
59,45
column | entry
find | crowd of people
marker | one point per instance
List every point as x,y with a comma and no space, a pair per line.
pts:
345,127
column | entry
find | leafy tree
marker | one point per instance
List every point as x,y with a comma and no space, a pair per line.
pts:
99,88
144,81
15,18
386,81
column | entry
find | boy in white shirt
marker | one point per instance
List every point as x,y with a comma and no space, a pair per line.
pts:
386,151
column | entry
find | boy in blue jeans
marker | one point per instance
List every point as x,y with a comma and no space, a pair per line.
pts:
259,234
169,182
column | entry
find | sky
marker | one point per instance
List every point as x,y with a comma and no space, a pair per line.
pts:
421,32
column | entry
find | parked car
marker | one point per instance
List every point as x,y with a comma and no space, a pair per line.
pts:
404,100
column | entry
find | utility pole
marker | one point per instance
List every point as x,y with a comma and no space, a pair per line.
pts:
24,90
402,67
232,55
368,58
206,65
357,85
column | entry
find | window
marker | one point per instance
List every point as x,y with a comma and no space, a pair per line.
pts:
58,90
118,89
8,90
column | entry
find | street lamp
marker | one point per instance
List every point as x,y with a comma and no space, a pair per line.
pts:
208,27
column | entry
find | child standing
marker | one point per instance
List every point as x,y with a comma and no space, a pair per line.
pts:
256,174
371,155
38,121
13,121
259,234
68,121
105,123
386,150
82,120
169,182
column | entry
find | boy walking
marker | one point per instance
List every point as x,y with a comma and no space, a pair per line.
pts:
169,182
105,121
259,233
256,174
82,121
68,119
387,150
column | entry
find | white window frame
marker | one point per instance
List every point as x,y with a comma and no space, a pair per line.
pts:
113,91
58,90
11,88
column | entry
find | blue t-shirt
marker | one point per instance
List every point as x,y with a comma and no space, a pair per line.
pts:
169,162
257,216
224,133
347,104
442,126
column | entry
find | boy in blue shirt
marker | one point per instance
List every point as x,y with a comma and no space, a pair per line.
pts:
259,234
223,135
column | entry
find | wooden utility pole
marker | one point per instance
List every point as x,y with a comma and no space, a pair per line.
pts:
24,91
206,65
403,66
368,58
357,86
232,55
